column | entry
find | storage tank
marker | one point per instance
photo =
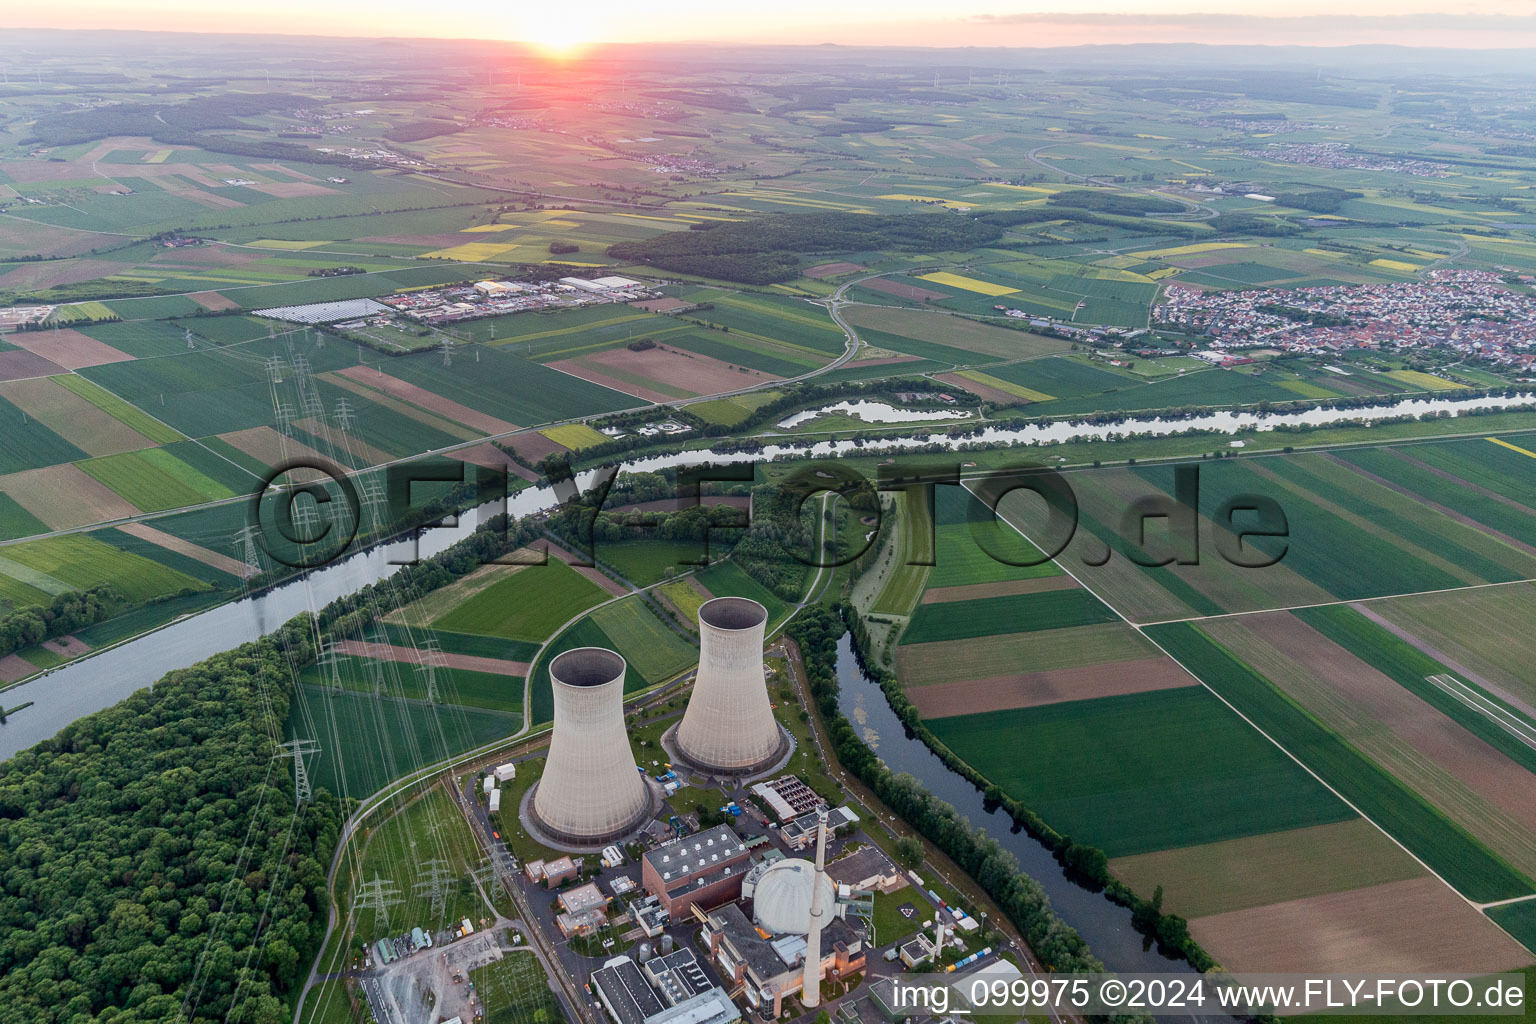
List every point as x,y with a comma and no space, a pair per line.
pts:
729,725
591,791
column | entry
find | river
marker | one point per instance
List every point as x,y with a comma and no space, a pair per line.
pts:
1105,926
100,680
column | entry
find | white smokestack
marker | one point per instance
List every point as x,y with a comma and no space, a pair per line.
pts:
590,791
810,983
729,725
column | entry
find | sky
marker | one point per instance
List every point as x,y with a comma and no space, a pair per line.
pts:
569,27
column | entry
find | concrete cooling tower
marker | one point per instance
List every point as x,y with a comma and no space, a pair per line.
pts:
591,791
729,725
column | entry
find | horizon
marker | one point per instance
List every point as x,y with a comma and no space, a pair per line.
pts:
564,33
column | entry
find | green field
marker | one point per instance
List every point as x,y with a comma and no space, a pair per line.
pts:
16,521
26,444
530,604
1011,613
1448,850
914,544
1142,772
83,561
455,686
584,633
461,643
154,479
366,741
126,414
653,649
726,579
517,983
1519,919
685,597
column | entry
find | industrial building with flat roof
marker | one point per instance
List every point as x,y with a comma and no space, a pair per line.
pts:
703,869
678,976
787,797
629,998
585,910
868,868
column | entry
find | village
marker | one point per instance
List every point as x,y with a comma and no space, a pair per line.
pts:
1471,311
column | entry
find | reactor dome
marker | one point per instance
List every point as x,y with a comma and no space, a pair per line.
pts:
781,901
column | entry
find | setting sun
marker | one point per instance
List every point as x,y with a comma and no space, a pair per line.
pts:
557,31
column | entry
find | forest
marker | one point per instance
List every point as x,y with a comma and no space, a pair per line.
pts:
769,249
153,863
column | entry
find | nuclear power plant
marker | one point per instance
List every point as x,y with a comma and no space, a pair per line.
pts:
591,791
729,727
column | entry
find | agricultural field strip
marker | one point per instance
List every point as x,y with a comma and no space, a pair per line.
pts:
1506,720
1251,724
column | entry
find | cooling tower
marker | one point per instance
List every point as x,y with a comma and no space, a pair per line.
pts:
591,791
729,724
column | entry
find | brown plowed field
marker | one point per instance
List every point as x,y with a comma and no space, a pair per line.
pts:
1057,686
833,269
271,449
1276,867
578,368
432,402
213,300
609,584
405,409
534,446
70,646
48,273
1418,926
695,374
412,656
973,591
859,364
91,429
901,290
666,304
1046,650
1475,785
65,496
144,531
21,364
982,391
68,347
491,457
293,189
14,667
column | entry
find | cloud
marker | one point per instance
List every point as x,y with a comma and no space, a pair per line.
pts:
1321,24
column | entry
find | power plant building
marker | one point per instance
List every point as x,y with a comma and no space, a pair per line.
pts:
591,792
703,869
729,726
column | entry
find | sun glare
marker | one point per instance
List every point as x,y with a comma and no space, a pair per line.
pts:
558,32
